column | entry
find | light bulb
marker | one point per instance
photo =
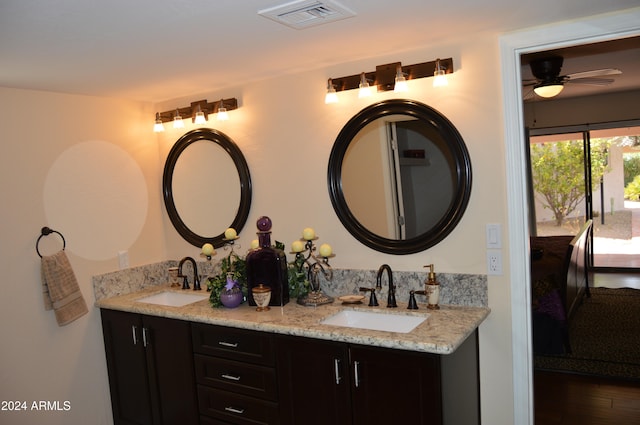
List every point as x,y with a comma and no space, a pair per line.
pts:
177,120
200,119
365,90
331,96
400,85
440,79
158,127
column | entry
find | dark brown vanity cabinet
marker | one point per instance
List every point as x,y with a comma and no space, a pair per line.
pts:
314,382
325,382
236,376
150,365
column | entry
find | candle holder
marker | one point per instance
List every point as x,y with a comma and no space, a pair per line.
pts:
314,265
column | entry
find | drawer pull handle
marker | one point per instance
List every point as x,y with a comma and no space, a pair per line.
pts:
336,365
135,337
230,377
234,410
228,344
356,373
145,337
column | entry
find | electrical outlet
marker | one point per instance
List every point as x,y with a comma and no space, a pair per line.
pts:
494,262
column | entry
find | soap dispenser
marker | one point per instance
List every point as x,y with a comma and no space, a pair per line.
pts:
433,289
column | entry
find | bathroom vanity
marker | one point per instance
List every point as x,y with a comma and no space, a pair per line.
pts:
284,366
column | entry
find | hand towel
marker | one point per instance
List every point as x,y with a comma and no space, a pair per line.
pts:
60,289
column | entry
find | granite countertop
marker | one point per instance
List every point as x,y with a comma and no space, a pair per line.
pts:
442,333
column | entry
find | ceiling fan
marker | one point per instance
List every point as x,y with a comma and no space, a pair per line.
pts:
549,83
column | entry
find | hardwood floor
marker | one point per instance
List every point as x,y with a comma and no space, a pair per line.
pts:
567,399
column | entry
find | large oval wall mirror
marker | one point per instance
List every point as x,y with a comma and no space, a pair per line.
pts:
206,187
399,176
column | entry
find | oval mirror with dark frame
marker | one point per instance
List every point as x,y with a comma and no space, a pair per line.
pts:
206,187
399,176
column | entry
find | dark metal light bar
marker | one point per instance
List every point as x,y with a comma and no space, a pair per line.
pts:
206,107
384,75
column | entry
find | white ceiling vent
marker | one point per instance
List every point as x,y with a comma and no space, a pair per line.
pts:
300,14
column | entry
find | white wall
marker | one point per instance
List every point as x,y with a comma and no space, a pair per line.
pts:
40,360
286,132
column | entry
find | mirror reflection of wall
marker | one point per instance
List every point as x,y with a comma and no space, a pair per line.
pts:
397,177
206,188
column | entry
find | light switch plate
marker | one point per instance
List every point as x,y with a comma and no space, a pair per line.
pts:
494,236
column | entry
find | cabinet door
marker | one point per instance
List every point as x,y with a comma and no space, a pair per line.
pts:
313,377
126,363
170,358
395,387
150,364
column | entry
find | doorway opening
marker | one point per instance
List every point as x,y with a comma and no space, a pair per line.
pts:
579,173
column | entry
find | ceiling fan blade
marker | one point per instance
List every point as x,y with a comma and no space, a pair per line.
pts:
591,81
594,73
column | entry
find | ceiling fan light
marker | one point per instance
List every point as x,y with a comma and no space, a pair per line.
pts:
548,90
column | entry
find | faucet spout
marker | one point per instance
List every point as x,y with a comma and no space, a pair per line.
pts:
196,278
391,295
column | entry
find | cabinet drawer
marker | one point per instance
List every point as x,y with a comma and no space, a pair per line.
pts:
244,378
205,420
235,344
235,408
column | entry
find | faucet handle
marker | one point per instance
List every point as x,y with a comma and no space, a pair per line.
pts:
413,305
373,300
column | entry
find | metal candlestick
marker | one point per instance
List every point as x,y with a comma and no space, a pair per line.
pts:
314,265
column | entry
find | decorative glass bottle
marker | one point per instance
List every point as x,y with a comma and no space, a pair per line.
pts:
267,265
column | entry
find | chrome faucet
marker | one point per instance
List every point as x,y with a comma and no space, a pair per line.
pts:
391,296
196,279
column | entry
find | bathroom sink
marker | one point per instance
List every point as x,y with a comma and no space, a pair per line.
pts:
375,321
173,299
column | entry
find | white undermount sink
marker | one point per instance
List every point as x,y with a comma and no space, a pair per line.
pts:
375,321
173,299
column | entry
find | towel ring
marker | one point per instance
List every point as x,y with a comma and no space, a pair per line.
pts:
45,232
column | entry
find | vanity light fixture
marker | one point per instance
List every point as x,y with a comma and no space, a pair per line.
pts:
177,120
199,118
400,82
440,79
158,127
393,76
222,112
331,96
198,111
365,89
